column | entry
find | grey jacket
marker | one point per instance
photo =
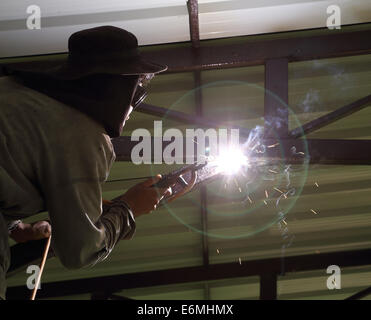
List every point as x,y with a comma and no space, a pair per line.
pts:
54,158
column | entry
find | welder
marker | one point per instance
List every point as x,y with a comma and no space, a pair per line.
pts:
57,119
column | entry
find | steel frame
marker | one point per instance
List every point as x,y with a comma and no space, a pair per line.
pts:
321,151
267,269
276,117
243,52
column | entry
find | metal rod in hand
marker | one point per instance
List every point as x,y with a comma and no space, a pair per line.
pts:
42,265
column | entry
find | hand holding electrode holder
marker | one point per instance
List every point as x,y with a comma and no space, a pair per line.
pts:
179,182
177,178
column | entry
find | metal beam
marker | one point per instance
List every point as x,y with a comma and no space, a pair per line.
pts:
323,151
192,6
106,296
320,151
218,54
268,286
195,39
360,295
203,189
243,51
195,274
204,225
186,118
176,115
331,117
276,113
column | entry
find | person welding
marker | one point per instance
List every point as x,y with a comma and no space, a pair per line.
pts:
56,124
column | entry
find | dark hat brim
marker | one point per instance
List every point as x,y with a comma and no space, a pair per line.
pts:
64,69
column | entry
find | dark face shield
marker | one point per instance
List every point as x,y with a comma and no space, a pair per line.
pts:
141,93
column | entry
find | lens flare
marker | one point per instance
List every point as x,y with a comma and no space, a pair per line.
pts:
231,160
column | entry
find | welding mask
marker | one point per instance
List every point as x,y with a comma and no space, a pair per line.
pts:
141,92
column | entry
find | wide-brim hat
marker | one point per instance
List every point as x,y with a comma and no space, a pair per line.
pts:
100,50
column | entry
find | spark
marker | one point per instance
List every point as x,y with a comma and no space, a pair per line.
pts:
266,194
265,202
270,170
239,189
236,183
316,184
278,190
273,145
313,211
217,251
301,153
239,260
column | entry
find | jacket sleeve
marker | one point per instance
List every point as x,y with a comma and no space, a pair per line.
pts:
83,231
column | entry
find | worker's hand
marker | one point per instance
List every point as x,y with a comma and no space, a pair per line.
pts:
143,198
35,231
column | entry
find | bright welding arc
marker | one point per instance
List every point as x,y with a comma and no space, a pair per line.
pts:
230,161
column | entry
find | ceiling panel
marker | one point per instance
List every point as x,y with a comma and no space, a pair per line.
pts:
156,21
